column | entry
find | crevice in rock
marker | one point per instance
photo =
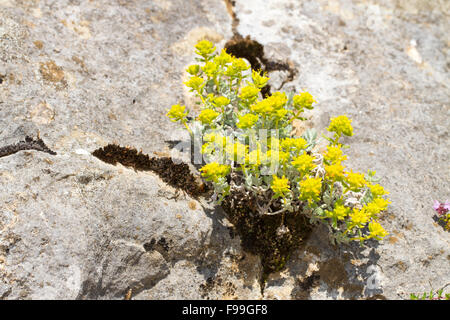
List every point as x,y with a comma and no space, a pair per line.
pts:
235,21
304,287
253,51
176,175
271,237
27,144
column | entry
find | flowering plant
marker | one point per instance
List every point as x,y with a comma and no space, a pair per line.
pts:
249,148
443,211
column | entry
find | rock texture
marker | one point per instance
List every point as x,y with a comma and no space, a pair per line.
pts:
82,74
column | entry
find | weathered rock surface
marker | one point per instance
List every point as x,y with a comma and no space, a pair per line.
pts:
83,74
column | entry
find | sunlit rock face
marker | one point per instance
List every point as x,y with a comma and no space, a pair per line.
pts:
83,74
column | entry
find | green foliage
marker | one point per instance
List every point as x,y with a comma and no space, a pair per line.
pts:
439,295
249,146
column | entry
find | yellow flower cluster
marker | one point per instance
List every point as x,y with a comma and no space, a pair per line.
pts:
195,83
310,189
193,69
355,180
247,121
236,67
259,80
210,68
177,113
339,213
207,116
221,101
303,163
303,100
249,93
272,106
256,157
223,58
280,186
205,48
376,231
335,171
236,152
341,125
334,155
369,214
213,171
377,190
293,144
358,218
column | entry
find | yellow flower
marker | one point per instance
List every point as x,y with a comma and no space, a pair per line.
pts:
177,113
249,93
339,212
359,217
221,101
213,171
310,189
262,107
376,231
280,186
204,48
207,116
278,100
334,154
372,209
236,67
207,148
355,180
259,80
293,143
341,125
381,203
303,163
255,157
377,190
277,156
195,83
280,114
239,64
223,58
193,69
210,68
247,121
303,100
236,151
335,171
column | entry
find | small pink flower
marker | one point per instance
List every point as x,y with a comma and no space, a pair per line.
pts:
441,208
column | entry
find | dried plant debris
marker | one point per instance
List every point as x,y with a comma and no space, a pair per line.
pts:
27,144
175,175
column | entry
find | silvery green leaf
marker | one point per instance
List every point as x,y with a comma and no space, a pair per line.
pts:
327,198
249,180
368,197
310,136
318,211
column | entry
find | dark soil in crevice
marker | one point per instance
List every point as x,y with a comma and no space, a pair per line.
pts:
253,51
176,175
27,144
272,237
230,8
